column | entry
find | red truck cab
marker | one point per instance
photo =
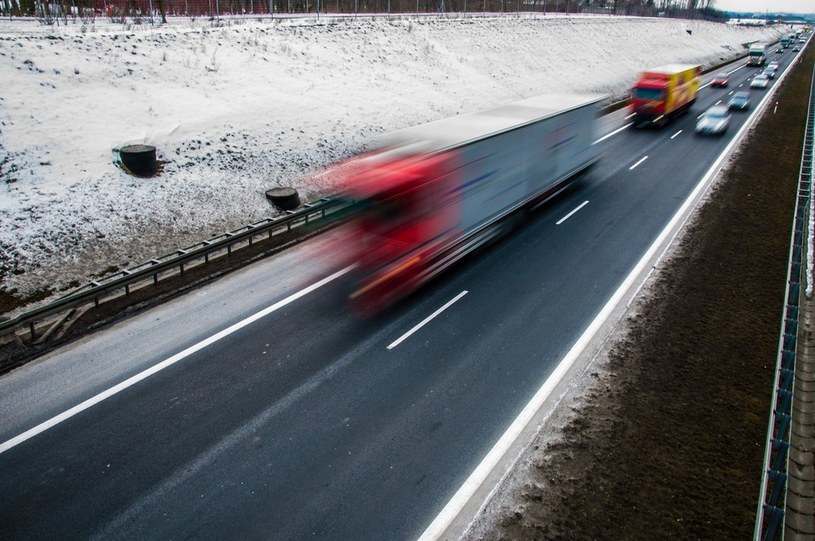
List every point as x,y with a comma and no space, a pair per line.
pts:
409,210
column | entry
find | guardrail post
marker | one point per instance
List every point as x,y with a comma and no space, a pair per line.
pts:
782,448
779,480
775,515
783,421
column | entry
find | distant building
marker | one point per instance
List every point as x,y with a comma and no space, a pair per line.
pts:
748,22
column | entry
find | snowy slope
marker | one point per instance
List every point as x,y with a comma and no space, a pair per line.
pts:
243,106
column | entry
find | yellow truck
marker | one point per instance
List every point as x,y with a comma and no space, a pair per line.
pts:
662,93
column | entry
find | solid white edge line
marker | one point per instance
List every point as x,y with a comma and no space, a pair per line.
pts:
450,511
53,421
677,133
615,132
426,320
580,206
639,162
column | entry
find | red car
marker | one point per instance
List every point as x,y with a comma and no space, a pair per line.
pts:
721,80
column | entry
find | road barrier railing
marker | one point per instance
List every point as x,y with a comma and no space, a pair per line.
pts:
39,322
773,511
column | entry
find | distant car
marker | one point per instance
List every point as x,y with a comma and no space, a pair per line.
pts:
796,49
721,80
769,73
740,101
774,65
714,121
780,51
759,81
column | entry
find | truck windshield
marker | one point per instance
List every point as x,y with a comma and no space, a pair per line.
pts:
647,93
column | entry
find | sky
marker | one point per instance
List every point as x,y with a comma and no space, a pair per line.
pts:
237,108
791,6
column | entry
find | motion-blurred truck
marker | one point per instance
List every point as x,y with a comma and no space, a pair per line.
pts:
437,192
758,54
663,93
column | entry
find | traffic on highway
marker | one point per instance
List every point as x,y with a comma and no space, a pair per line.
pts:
259,406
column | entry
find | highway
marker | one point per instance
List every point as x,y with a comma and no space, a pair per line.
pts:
278,415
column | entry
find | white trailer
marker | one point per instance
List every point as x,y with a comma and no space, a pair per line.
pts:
512,154
436,192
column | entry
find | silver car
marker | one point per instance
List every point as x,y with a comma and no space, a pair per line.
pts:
714,121
740,101
759,81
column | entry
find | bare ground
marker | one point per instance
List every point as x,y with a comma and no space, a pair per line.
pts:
666,440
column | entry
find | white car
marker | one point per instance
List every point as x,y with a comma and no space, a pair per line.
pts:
759,81
773,65
714,121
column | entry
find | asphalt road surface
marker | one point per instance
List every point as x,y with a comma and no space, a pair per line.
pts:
301,422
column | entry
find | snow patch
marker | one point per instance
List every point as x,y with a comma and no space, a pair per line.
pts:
236,109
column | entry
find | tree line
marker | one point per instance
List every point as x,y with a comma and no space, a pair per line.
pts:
156,11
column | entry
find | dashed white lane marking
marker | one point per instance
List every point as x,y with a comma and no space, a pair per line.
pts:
426,320
615,132
639,162
580,206
677,133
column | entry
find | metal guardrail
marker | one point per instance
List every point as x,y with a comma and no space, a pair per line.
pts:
97,290
325,210
772,501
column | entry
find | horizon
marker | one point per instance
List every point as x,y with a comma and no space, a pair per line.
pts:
798,7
